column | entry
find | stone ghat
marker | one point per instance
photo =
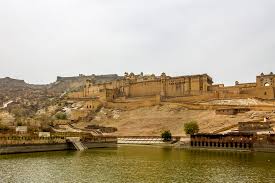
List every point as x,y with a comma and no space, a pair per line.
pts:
145,140
23,144
140,140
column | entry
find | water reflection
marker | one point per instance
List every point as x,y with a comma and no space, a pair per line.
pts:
138,164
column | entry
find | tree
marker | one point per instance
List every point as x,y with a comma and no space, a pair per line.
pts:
191,127
166,135
61,115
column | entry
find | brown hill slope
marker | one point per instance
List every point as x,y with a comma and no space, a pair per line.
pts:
153,120
63,84
11,89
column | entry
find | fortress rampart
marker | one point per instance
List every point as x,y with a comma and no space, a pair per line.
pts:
194,87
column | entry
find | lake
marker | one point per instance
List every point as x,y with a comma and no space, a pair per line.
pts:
138,164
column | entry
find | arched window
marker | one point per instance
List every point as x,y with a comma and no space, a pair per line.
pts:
266,84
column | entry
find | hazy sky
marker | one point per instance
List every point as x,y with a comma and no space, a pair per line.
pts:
228,39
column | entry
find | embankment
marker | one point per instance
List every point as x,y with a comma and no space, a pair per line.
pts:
26,144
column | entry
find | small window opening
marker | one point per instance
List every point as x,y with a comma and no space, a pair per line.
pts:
266,84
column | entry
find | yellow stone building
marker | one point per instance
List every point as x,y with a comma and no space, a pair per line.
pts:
193,86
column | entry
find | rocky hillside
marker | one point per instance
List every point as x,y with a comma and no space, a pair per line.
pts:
22,103
63,84
14,89
153,120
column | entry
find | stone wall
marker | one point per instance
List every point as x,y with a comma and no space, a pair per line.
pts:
134,103
12,149
23,144
223,141
93,105
231,111
60,122
252,126
235,141
75,95
25,140
147,88
183,86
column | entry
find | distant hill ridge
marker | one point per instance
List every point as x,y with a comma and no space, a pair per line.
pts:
93,76
11,88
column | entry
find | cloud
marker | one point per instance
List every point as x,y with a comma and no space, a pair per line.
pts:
230,40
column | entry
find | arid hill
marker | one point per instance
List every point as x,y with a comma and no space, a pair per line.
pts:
155,119
39,105
63,84
27,104
15,89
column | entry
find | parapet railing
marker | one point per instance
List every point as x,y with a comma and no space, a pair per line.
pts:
55,138
24,140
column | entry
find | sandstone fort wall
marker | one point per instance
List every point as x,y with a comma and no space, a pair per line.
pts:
183,88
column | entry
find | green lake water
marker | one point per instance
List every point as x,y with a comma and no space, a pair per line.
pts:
138,164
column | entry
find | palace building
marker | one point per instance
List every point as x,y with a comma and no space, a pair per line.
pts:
196,86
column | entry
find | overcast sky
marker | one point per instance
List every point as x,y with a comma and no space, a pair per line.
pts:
228,39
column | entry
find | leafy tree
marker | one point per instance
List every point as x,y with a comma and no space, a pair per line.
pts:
191,127
61,115
166,135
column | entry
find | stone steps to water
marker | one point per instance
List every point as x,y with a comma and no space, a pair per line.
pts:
140,140
77,143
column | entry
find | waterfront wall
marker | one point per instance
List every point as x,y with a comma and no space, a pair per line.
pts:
223,141
12,149
24,144
232,141
29,140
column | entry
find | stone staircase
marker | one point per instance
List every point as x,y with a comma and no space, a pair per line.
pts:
140,140
77,143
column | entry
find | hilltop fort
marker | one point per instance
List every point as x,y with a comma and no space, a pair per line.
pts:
135,104
193,87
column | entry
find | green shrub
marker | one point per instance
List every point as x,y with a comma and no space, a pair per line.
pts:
191,127
166,135
3,128
61,116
